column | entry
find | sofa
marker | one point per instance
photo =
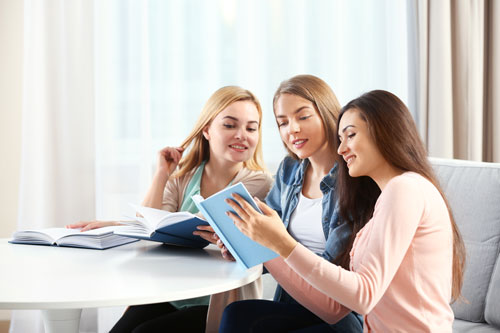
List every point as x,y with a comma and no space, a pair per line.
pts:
473,192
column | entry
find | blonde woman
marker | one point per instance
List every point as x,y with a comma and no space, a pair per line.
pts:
225,148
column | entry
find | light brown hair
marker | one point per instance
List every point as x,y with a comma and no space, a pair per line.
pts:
320,95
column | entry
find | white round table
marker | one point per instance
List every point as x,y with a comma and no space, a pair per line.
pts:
61,281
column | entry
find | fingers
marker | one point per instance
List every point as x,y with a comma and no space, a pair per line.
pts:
96,224
226,254
87,227
224,251
208,236
172,154
237,208
243,203
220,244
207,233
77,225
205,228
241,207
238,222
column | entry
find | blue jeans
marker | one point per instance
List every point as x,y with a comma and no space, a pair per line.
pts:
270,316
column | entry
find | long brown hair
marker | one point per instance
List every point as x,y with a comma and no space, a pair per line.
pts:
396,137
200,150
319,93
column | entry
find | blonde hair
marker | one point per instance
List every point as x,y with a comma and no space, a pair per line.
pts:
319,93
200,150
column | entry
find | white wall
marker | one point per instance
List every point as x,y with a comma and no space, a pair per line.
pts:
11,55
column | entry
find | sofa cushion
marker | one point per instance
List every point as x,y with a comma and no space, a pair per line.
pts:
492,311
473,192
462,326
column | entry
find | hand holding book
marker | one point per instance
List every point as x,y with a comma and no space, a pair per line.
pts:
247,252
265,228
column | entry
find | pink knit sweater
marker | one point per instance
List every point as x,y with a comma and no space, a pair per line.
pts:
401,265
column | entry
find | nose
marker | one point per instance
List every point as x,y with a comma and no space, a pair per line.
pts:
294,126
342,148
240,133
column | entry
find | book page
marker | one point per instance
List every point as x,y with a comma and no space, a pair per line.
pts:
157,218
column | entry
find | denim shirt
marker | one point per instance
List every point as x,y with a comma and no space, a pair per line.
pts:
284,197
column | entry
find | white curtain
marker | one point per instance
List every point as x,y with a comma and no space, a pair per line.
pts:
57,182
108,83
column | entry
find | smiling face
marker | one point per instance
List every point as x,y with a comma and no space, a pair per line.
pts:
300,126
234,133
357,146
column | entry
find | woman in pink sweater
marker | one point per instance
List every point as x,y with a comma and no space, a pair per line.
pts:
407,255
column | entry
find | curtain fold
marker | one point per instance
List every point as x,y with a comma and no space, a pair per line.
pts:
492,103
57,178
457,103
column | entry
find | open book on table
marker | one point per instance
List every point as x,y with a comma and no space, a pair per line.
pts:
165,227
246,252
101,238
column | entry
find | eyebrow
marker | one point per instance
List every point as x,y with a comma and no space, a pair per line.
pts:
345,128
296,111
236,119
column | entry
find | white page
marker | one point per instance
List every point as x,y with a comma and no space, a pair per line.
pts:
156,218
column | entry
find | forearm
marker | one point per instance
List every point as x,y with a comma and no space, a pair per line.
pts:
317,302
154,195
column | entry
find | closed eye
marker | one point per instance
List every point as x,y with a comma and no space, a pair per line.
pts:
228,125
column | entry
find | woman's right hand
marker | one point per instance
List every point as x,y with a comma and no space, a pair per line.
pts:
89,225
168,159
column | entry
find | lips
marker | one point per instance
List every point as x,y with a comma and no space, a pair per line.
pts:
238,147
299,143
349,159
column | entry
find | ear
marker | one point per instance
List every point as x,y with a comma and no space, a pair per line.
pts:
205,132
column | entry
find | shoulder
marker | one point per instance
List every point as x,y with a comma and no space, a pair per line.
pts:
409,182
288,169
258,178
182,181
412,187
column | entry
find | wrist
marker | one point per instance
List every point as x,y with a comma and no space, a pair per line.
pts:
161,175
286,246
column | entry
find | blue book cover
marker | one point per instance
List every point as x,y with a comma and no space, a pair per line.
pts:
246,252
161,226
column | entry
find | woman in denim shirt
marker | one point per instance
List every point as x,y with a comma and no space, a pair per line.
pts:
306,111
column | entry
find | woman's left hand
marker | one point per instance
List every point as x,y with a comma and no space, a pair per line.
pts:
266,228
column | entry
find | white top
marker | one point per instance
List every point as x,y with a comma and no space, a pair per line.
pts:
305,224
50,277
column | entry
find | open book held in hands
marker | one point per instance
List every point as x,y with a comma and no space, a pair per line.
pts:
247,252
100,239
165,227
